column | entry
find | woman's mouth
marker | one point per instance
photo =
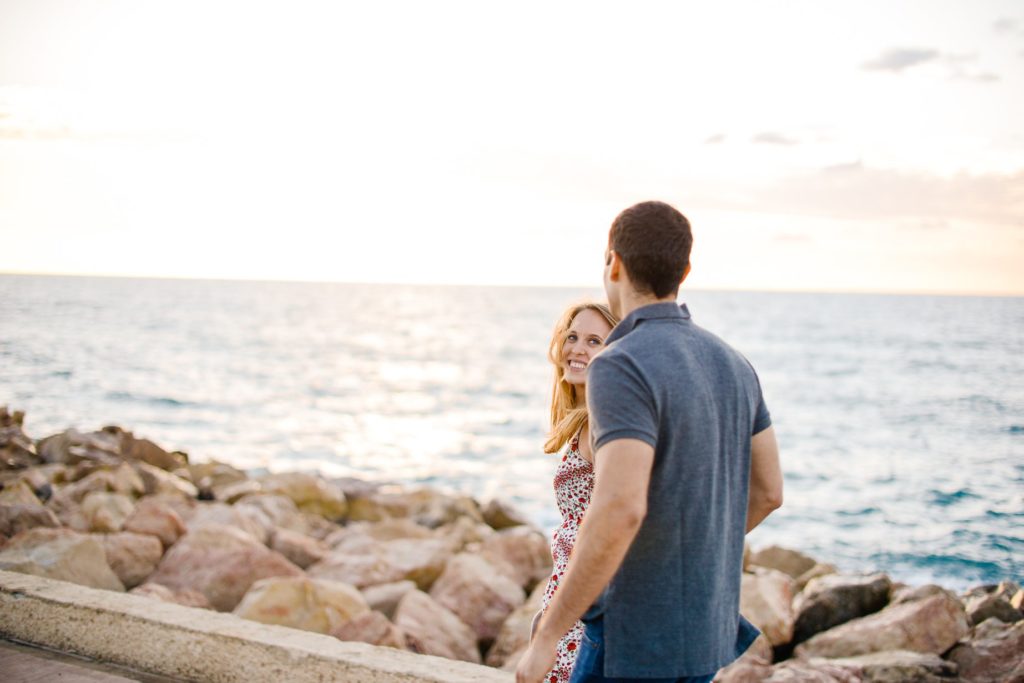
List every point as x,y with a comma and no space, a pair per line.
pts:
577,365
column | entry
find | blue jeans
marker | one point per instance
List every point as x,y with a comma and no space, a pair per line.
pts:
590,661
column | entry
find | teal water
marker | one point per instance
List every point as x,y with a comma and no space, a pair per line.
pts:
900,418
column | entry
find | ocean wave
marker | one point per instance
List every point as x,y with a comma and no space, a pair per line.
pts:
160,401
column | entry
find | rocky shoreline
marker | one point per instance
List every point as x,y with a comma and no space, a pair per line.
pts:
430,572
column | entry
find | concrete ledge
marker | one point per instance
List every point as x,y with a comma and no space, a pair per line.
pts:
200,645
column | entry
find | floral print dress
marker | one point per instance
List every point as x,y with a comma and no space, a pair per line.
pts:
574,480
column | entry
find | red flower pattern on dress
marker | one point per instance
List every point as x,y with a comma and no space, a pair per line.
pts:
574,480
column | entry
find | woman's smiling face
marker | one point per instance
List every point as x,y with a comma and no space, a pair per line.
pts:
585,338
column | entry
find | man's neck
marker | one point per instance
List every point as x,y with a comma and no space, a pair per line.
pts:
633,301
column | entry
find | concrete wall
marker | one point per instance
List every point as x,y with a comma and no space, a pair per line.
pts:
202,645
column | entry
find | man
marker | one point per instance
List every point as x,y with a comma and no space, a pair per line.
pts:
685,464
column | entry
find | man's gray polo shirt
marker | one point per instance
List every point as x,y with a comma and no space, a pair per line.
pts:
672,609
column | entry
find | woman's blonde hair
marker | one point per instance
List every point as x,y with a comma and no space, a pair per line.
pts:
568,416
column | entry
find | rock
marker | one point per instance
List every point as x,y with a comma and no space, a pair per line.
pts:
17,518
980,608
521,553
222,514
384,598
766,598
60,554
836,599
499,514
309,493
298,548
122,479
784,560
71,447
753,665
375,562
215,474
106,512
155,518
427,507
464,532
157,481
302,603
904,594
1017,601
373,628
16,449
895,666
18,493
231,493
819,569
132,556
933,625
994,653
222,563
185,596
432,629
514,635
477,593
145,451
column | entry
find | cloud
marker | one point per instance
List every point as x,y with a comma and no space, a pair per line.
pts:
792,238
715,139
856,191
1006,25
770,138
898,59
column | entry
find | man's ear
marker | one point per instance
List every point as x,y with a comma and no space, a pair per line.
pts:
615,268
686,273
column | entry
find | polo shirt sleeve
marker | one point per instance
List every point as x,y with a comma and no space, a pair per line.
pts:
762,418
620,403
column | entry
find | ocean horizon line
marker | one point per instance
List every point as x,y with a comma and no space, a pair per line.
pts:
517,286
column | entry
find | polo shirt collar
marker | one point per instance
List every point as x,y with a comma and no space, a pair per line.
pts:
662,310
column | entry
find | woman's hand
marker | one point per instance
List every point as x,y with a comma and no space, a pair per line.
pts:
538,659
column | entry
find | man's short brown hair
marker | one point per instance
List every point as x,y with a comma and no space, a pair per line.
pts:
653,240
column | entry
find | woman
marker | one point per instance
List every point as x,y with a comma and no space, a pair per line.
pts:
578,336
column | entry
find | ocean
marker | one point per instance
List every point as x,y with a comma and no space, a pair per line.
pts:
900,419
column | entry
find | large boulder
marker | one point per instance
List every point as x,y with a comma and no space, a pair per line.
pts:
132,556
418,560
432,629
147,452
521,553
994,652
818,671
156,518
835,599
17,518
373,628
766,598
428,507
932,625
222,563
309,492
478,593
302,603
106,512
784,560
514,635
60,554
275,510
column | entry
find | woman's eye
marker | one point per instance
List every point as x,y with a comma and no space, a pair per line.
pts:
596,342
571,338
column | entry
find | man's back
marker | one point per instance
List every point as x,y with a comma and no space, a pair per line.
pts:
672,608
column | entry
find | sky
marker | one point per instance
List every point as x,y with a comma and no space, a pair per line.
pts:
827,146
